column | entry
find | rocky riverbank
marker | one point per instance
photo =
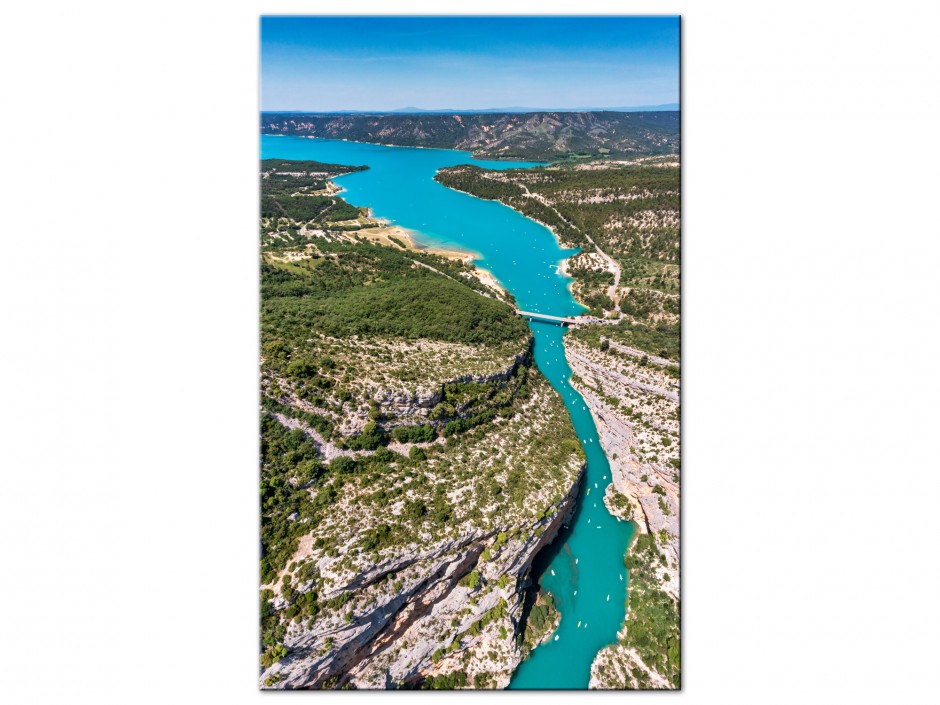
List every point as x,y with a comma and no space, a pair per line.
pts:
634,400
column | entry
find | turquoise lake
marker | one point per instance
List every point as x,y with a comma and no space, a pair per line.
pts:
584,567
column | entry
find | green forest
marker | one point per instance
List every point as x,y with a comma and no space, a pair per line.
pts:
289,190
364,289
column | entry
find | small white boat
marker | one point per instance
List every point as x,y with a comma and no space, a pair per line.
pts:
608,598
553,572
556,637
579,624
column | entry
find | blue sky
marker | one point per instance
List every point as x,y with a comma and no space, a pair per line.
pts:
466,63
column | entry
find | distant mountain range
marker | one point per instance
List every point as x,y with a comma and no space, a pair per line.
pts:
538,135
450,111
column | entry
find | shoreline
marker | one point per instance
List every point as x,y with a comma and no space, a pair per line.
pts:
388,229
562,245
385,232
389,234
562,263
415,146
384,235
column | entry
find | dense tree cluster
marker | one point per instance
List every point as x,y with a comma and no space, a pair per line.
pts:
367,290
661,339
652,615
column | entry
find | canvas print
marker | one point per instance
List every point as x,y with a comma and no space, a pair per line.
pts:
470,353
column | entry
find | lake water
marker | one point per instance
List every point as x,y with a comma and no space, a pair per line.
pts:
584,569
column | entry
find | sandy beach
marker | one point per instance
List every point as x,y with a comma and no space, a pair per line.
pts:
397,236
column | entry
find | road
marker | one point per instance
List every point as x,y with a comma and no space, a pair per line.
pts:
611,263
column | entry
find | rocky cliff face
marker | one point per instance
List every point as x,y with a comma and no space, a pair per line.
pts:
415,406
439,621
635,404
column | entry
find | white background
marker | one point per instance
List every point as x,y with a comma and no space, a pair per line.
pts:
129,296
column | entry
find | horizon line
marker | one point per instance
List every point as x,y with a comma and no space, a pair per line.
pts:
414,111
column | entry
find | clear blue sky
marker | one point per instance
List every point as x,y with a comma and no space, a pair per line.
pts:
465,63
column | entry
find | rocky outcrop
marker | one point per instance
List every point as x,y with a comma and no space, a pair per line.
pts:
590,367
614,666
638,354
400,406
458,606
415,406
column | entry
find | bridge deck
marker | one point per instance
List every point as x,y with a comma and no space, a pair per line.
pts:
545,317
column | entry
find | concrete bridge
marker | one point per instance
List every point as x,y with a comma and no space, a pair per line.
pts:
545,318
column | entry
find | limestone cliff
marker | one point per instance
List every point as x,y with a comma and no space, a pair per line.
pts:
634,400
454,611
